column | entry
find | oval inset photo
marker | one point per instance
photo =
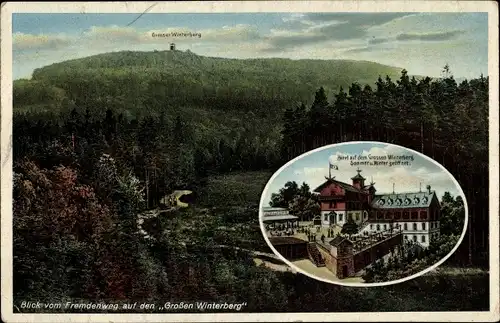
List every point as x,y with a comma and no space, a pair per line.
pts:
363,214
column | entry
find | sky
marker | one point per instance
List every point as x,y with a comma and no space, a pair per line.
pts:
422,43
312,169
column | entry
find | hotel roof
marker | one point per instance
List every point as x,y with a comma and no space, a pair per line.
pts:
403,200
272,208
275,218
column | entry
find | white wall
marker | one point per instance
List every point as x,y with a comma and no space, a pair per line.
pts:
340,214
410,232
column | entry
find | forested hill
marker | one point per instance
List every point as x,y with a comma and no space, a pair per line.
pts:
153,81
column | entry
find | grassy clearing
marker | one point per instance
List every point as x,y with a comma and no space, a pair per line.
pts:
235,189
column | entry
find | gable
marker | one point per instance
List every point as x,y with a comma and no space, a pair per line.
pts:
340,241
435,201
336,186
332,189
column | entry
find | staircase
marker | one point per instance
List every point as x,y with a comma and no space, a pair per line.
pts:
315,255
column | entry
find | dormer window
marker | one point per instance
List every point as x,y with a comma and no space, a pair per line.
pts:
389,202
407,201
399,201
381,202
425,200
416,200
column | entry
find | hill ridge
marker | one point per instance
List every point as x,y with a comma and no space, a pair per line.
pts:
140,81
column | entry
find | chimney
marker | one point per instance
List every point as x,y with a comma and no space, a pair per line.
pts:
393,191
429,189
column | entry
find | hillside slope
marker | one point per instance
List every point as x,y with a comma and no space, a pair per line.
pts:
154,80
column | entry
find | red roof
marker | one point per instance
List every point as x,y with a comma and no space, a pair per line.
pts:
345,186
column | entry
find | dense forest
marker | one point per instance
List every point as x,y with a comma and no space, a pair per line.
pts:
96,141
440,118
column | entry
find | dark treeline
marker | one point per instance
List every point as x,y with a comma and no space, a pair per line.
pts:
439,118
164,153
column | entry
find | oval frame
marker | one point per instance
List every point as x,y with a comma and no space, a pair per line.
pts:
393,282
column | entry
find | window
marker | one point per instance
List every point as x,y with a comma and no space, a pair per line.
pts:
423,225
415,227
405,226
340,217
414,215
326,217
432,225
385,226
380,215
415,238
357,217
398,215
388,215
423,239
406,215
371,226
423,215
378,227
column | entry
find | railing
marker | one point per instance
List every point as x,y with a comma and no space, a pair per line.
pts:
314,255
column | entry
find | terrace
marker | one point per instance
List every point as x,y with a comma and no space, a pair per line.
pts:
365,241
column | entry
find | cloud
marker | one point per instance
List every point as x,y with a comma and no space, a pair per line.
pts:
122,36
113,34
359,19
315,171
281,42
359,50
238,32
413,178
438,36
322,27
375,41
22,41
